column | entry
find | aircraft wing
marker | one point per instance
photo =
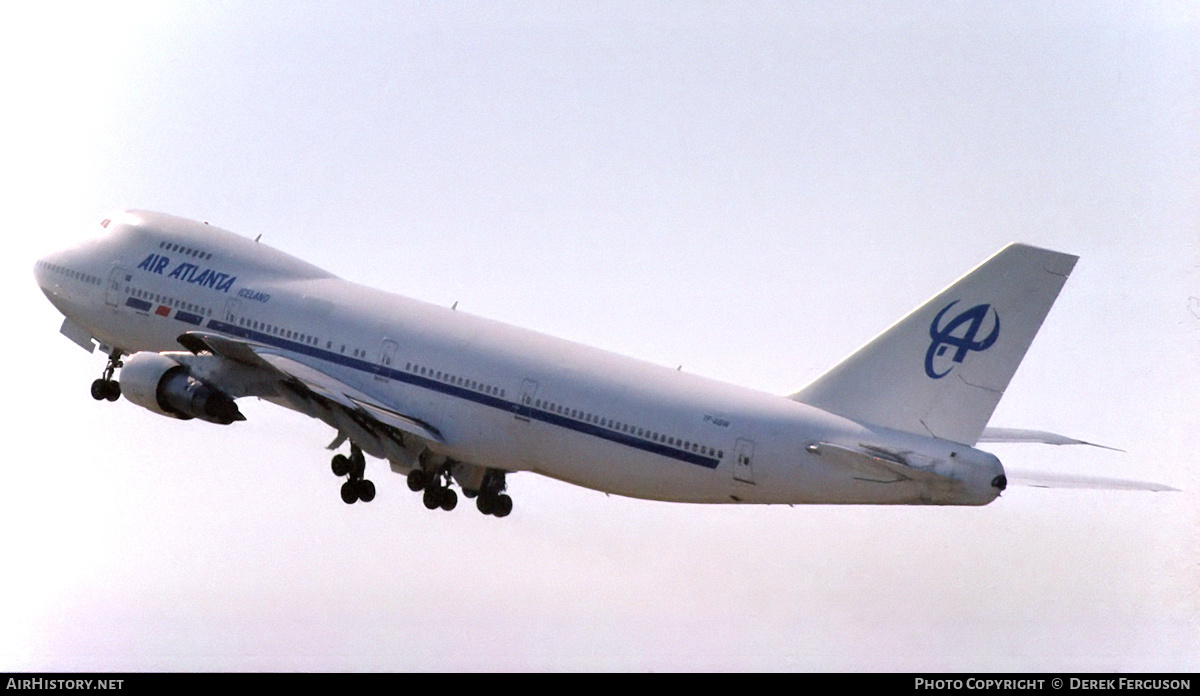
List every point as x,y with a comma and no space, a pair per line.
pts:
348,397
276,372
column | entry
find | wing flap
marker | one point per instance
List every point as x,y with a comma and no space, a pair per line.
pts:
342,394
312,378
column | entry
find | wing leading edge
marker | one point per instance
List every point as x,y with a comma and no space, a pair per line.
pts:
285,373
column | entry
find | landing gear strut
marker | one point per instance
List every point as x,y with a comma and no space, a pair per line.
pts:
356,487
106,388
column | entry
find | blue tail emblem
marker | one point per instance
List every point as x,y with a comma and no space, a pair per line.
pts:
943,336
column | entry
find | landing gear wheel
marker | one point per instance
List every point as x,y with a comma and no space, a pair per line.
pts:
432,498
340,465
106,390
417,480
499,505
449,499
366,491
350,492
491,498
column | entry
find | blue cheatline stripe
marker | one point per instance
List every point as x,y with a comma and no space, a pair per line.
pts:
490,400
138,304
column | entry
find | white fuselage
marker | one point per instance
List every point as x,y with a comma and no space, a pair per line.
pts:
500,396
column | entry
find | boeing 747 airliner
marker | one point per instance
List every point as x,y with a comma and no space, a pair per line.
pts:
195,317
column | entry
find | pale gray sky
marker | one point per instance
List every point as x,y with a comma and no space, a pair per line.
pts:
751,190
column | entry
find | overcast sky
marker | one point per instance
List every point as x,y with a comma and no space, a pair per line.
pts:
749,190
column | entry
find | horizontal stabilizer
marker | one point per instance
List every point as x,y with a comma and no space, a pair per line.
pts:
1037,436
1040,480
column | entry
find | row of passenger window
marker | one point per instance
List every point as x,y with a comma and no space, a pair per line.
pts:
620,427
283,332
576,414
186,251
71,273
456,380
168,301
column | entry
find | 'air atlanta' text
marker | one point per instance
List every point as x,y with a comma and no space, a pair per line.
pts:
188,273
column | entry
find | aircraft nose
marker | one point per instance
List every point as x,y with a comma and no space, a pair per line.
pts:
49,272
43,272
1000,482
40,271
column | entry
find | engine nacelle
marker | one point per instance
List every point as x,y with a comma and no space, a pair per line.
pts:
158,383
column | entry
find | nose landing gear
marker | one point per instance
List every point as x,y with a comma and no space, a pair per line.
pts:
106,388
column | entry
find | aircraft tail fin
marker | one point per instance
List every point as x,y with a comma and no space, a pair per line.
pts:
941,370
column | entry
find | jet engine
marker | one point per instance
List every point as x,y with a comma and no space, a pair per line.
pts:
156,382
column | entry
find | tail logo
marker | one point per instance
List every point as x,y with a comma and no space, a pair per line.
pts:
944,337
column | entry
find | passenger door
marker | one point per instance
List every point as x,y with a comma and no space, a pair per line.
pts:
743,461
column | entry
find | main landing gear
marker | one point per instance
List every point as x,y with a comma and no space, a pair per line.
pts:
356,487
106,388
490,499
436,485
432,479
